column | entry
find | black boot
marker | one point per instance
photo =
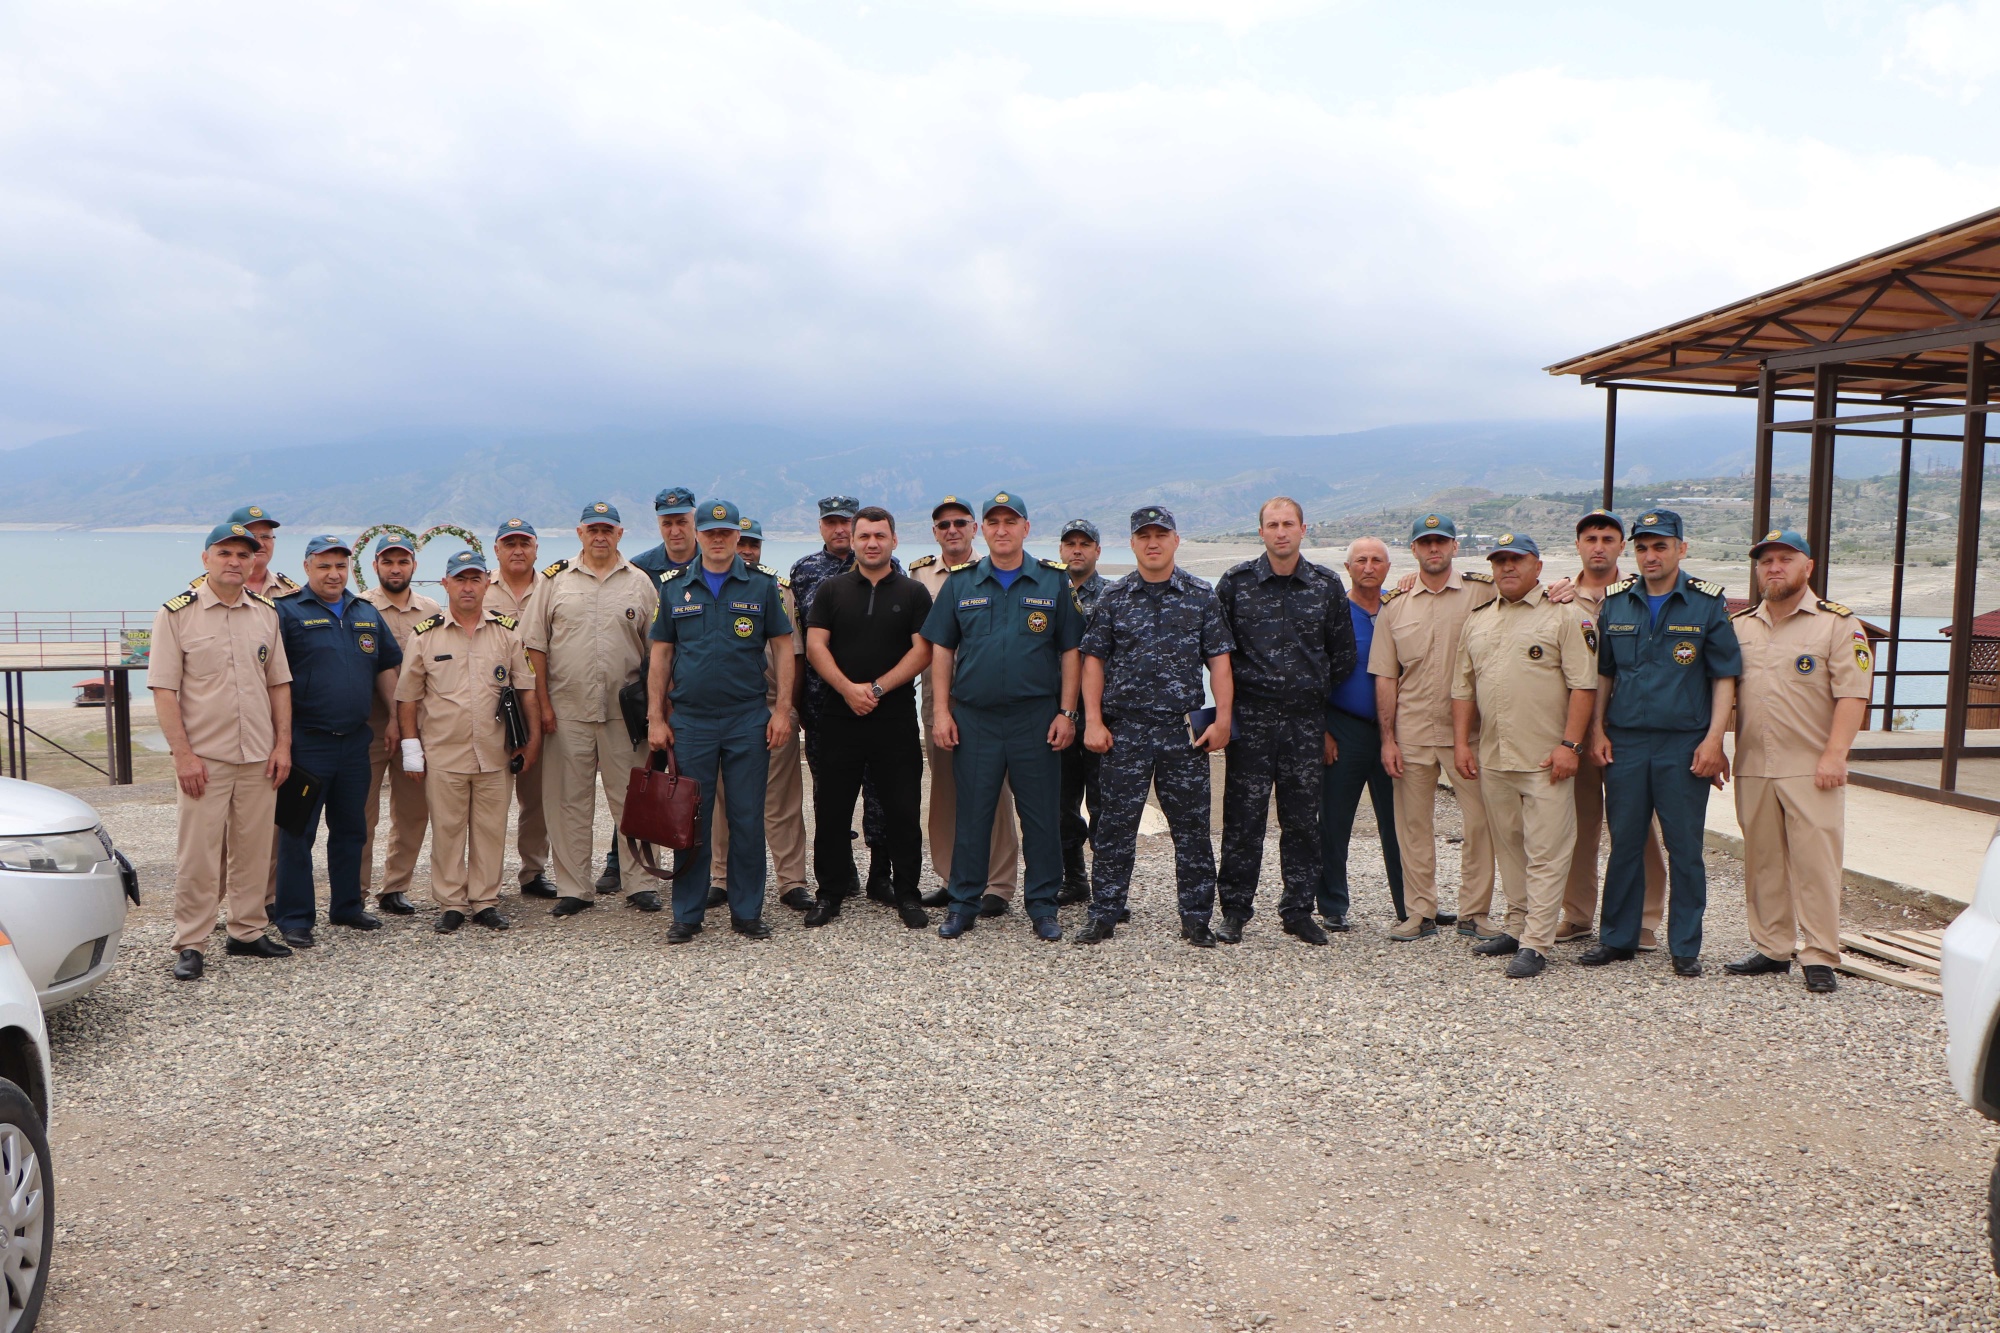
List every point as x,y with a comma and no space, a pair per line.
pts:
1076,879
609,880
879,889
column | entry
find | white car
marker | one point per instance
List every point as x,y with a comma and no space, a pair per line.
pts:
63,890
27,1176
1970,975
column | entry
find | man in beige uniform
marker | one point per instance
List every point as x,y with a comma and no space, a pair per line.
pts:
586,638
1412,657
953,525
1600,541
222,690
511,592
402,609
1803,696
261,578
454,741
784,789
1528,669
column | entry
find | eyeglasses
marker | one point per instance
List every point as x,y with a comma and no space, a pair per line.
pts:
953,523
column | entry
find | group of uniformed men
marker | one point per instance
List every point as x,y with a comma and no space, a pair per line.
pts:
1051,697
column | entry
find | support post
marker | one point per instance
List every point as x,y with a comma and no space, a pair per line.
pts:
1610,442
1760,482
1819,501
1965,578
119,704
1896,580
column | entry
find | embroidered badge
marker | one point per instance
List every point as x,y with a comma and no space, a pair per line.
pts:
631,613
1534,652
1038,621
720,511
1430,520
1862,659
1684,652
263,652
1589,637
1805,664
366,642
745,627
500,674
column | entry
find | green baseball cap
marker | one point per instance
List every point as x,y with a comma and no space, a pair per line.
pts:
1782,537
1003,500
1433,525
750,528
1520,543
249,514
712,514
230,532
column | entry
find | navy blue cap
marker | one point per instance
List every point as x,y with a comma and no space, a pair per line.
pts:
1153,516
1600,516
389,541
1083,526
1782,537
601,511
1659,523
1519,542
328,542
715,514
1433,525
838,506
750,528
1003,500
463,561
249,514
515,527
674,500
949,502
229,532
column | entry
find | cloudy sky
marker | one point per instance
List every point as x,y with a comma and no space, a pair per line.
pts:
1269,214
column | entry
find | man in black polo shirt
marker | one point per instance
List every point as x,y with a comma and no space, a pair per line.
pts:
863,637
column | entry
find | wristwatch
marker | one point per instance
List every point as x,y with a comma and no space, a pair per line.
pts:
1076,718
1574,745
875,688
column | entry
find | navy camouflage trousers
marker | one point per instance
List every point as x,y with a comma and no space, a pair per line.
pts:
1154,754
1272,747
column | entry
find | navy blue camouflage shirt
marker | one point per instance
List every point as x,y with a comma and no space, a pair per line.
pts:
1154,639
1087,593
1293,635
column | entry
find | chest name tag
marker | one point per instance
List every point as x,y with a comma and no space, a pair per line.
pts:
322,620
687,609
1621,629
1049,602
1683,629
366,624
442,657
746,606
967,603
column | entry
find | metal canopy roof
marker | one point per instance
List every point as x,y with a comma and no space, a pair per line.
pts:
1897,322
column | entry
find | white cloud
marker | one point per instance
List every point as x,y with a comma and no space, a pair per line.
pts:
1951,48
1235,15
557,215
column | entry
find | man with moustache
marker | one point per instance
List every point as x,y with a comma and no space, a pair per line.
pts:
511,591
1354,748
952,525
263,529
1081,549
403,609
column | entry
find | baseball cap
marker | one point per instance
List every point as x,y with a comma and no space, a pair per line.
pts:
674,500
389,541
1153,516
329,542
838,506
1433,525
230,532
949,502
714,514
1518,542
463,561
1082,525
1597,516
1782,537
601,511
1003,500
515,527
751,528
249,514
1658,522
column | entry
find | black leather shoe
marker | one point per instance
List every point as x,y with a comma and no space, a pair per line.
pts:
1820,979
879,888
490,918
1597,955
395,904
608,881
1446,918
1526,963
571,906
936,898
718,895
1198,934
1047,929
1497,947
915,917
992,904
825,910
539,887
646,900
298,939
357,921
188,966
1071,894
799,899
1687,967
447,922
1124,915
682,932
956,923
1231,929
1306,929
1096,932
754,927
261,947
1756,964
1336,923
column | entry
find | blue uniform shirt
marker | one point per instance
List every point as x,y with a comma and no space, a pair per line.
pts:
1662,668
335,659
1154,639
719,638
1008,640
1355,693
656,561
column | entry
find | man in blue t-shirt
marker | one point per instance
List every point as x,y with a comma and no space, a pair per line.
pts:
1354,748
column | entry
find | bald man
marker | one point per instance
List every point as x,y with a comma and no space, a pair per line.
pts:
1353,748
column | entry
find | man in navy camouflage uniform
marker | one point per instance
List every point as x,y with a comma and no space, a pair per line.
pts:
1289,619
1142,660
1081,548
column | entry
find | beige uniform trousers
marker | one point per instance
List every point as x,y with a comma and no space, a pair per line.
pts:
784,821
1533,822
1416,837
468,837
942,826
409,816
1580,896
225,851
1792,842
531,835
573,758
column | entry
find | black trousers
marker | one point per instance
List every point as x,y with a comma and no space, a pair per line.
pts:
1079,795
883,750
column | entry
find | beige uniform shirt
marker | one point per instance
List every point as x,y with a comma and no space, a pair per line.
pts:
501,598
1792,673
593,628
222,660
931,571
1518,661
1416,644
276,585
401,622
454,677
794,645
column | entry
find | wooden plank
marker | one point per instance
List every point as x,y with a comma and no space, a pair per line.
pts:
1909,939
1888,952
1907,980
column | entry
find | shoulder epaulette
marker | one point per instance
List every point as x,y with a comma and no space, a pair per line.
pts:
1487,606
1738,615
285,582
198,580
180,601
426,625
1834,607
673,574
1703,585
1621,586
923,562
292,591
265,600
967,565
765,569
1476,576
1055,564
784,582
549,571
1241,566
1392,594
500,618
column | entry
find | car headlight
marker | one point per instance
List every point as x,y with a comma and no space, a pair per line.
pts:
69,853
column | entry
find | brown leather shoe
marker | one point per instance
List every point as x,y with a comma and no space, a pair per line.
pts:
1648,942
1568,933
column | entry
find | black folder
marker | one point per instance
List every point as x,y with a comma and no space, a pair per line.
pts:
297,797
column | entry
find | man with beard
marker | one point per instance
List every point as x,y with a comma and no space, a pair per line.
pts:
403,609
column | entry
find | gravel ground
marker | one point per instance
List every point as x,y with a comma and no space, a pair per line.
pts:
570,1127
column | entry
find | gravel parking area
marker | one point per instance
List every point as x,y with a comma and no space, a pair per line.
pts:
570,1127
